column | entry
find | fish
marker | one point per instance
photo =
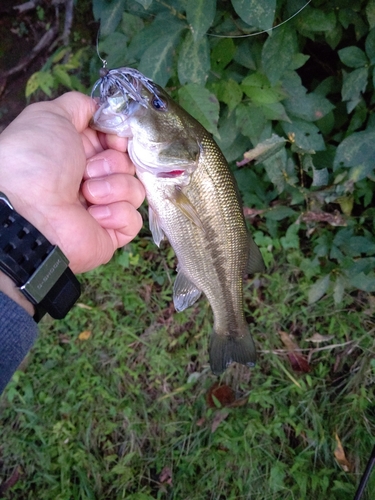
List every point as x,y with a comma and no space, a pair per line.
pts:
193,202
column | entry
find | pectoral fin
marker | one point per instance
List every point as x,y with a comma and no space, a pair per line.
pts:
185,293
155,228
182,202
255,262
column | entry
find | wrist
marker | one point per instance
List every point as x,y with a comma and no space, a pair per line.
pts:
38,269
9,288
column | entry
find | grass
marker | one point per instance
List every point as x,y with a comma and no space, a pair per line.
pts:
112,403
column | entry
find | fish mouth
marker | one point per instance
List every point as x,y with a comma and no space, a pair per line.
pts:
110,119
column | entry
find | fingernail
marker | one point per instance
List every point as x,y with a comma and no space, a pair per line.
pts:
100,211
98,168
99,188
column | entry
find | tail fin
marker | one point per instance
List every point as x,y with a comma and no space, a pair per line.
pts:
225,349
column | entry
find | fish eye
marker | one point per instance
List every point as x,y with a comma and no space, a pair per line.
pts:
158,104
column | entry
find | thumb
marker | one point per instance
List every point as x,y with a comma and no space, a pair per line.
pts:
77,108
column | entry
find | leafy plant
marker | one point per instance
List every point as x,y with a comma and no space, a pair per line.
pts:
60,70
248,90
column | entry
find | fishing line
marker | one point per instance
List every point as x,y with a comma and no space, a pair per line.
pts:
264,31
97,50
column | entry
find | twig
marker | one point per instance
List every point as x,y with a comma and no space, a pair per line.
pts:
14,477
308,349
44,42
24,7
68,21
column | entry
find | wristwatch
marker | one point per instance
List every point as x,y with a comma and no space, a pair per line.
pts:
39,269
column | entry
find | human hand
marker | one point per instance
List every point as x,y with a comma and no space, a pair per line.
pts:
74,184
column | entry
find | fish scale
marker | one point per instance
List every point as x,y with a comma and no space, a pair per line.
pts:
193,202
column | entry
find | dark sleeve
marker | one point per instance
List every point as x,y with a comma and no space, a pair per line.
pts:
18,332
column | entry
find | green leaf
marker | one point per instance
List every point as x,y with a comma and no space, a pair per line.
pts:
370,13
362,281
32,84
111,15
145,3
291,238
370,46
229,92
193,60
222,53
156,62
231,142
130,24
243,55
359,117
338,289
59,54
201,104
277,476
320,177
315,20
357,266
275,111
227,130
114,46
310,107
348,16
354,84
278,52
357,151
250,120
334,36
200,15
353,57
306,135
276,167
279,212
62,76
121,469
298,60
40,79
357,245
257,87
318,289
256,13
149,35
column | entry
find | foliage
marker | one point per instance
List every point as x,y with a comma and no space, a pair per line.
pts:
318,188
109,416
60,69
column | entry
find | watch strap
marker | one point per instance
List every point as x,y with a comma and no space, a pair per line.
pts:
39,269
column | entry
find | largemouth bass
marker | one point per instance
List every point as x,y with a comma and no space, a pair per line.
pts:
193,202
